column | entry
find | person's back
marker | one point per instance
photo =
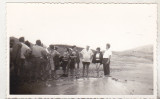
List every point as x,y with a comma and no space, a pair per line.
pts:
16,52
37,51
24,49
56,55
39,55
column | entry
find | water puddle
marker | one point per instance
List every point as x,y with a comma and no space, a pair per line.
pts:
86,86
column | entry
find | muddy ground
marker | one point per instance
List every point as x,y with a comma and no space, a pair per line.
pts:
130,75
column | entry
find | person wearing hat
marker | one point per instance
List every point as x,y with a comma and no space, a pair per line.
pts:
87,55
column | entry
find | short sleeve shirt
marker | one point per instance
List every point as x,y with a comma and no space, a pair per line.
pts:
86,55
24,49
37,51
97,56
107,53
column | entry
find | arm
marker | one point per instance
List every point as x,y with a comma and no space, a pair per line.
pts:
93,60
92,55
109,57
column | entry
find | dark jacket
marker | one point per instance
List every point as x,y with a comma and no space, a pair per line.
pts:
100,57
77,58
16,53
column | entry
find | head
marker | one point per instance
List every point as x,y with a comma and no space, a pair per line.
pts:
74,47
11,42
67,49
51,47
21,39
87,47
98,49
56,48
27,43
38,42
108,46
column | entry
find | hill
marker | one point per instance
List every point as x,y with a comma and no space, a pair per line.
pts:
139,52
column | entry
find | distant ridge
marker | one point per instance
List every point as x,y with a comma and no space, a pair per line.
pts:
142,49
141,52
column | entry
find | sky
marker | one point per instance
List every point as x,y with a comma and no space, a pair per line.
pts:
124,26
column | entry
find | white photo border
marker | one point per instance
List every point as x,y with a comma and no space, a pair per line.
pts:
154,96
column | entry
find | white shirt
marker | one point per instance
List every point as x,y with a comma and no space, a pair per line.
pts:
107,53
23,50
86,55
97,56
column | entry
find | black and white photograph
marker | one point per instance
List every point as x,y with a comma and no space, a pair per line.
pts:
81,49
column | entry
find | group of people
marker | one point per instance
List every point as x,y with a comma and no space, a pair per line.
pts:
36,62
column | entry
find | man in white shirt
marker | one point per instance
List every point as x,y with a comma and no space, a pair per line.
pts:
106,60
86,58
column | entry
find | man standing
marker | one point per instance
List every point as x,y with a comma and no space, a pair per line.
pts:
74,64
24,50
39,54
86,59
15,55
106,60
77,58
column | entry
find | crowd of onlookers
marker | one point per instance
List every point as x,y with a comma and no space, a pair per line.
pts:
33,62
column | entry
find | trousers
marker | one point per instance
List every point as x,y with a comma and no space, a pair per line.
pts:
106,67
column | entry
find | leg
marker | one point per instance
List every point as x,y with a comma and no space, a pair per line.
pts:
34,69
108,69
22,70
64,67
98,66
104,66
87,68
16,69
38,68
77,65
83,68
67,68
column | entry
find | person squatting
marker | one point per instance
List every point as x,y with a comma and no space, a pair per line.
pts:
35,62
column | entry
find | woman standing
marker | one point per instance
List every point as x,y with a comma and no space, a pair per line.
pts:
97,59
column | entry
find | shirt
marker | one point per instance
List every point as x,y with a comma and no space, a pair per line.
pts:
98,56
24,49
86,55
37,51
107,53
